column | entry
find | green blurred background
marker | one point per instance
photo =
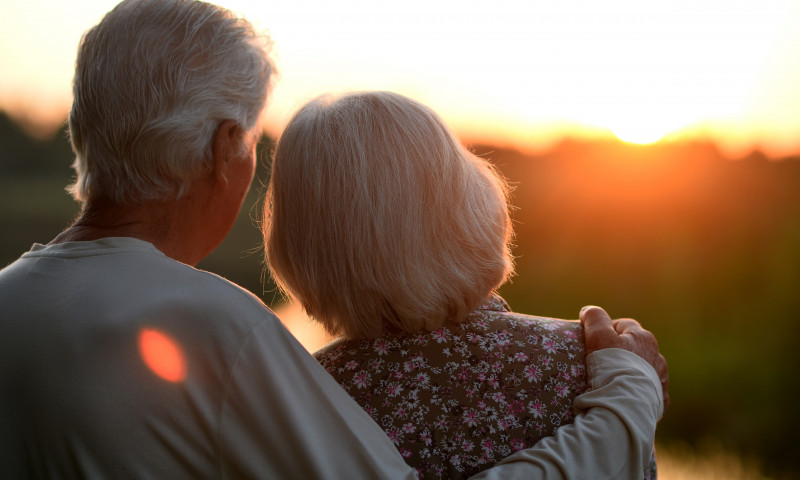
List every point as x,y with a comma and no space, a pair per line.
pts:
703,250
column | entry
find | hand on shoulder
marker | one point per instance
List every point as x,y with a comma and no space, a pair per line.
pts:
602,332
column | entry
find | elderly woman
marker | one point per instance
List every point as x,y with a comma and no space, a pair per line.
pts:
393,235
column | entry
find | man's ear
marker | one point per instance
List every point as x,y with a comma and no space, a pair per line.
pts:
225,149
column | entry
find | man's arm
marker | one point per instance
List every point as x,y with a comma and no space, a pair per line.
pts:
285,417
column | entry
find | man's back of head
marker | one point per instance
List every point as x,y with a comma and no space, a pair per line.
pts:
153,81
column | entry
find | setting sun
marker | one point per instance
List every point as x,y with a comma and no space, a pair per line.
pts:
637,136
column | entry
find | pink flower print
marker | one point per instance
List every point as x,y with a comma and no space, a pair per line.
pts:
422,378
517,444
497,366
471,418
521,357
400,412
570,334
493,381
405,453
532,373
351,365
441,422
546,361
409,428
394,389
440,335
481,405
549,345
362,379
467,446
503,339
536,409
473,337
499,397
394,435
425,437
562,390
487,445
375,364
503,425
516,407
381,347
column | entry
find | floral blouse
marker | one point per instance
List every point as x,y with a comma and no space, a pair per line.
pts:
457,400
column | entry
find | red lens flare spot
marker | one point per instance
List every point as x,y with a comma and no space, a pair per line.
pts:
162,355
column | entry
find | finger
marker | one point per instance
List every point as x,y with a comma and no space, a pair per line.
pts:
598,329
627,325
595,315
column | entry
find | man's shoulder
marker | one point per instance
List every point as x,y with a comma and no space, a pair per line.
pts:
210,295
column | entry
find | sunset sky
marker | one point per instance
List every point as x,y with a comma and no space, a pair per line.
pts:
521,72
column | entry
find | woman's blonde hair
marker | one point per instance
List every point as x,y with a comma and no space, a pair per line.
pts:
377,218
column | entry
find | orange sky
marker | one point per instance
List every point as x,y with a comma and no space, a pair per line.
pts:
524,72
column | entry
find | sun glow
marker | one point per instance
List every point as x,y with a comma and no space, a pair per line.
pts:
637,136
509,70
642,70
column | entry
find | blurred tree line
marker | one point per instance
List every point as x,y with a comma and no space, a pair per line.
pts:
703,250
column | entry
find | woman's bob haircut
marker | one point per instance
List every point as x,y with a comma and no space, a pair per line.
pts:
378,219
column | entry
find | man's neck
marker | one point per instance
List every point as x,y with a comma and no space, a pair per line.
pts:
169,225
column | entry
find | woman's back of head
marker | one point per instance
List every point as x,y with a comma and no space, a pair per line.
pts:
377,217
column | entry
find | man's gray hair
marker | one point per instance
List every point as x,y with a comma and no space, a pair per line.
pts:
153,81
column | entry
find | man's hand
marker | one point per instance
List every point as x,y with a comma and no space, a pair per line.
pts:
602,332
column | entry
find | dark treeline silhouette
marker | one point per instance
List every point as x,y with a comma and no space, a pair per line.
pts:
703,250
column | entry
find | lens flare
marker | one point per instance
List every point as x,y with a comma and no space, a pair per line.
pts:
162,355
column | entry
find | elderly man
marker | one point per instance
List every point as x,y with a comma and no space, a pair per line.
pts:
120,360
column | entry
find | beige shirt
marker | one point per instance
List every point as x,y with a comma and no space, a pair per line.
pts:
118,362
